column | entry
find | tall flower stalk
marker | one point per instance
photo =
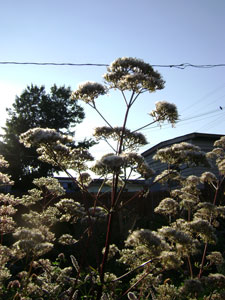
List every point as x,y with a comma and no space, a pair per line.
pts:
137,77
132,77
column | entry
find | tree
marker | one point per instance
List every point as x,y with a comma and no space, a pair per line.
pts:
37,108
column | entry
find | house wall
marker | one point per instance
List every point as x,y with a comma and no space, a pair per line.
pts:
70,187
204,141
131,187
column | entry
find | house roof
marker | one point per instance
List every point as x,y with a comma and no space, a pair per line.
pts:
183,138
100,180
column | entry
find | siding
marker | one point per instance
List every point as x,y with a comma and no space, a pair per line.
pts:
202,140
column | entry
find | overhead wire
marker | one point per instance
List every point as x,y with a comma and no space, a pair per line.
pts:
214,122
200,100
215,112
181,66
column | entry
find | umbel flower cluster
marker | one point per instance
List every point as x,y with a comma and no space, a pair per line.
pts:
92,245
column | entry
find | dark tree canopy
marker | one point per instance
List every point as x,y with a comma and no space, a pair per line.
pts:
36,108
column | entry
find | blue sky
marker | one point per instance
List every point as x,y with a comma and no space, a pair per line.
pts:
87,31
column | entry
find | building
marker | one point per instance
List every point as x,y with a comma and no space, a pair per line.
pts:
70,186
133,185
203,140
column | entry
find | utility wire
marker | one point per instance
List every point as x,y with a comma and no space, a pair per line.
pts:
51,64
178,66
215,112
200,100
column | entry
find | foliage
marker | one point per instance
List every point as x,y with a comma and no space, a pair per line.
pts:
66,248
36,108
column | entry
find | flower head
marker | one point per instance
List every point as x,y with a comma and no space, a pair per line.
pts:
37,136
133,74
84,179
167,206
181,153
88,91
131,140
216,258
165,111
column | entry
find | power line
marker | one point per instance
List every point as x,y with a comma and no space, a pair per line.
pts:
209,94
204,115
52,64
178,66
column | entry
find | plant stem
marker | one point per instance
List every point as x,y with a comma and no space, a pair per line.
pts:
203,260
206,244
190,266
95,108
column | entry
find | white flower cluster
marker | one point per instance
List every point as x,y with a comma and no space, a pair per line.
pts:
67,239
167,206
165,111
131,140
220,143
52,149
113,250
32,241
111,163
208,177
71,211
48,217
146,236
182,153
177,236
215,257
218,153
51,184
3,162
167,175
33,196
84,179
204,230
88,91
65,157
7,210
133,74
7,224
37,136
4,178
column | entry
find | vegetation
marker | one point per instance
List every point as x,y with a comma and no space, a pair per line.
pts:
68,248
36,108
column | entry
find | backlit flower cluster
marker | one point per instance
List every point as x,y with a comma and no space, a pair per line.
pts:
88,91
84,179
4,178
133,74
218,153
131,140
182,153
3,162
165,111
208,177
111,163
52,148
32,241
70,210
167,206
37,136
7,204
51,184
65,157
